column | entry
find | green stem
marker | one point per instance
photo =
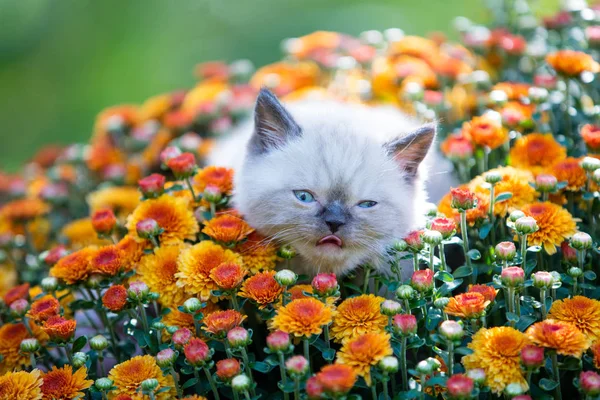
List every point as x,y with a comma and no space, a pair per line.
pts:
403,365
407,306
523,251
176,381
511,302
543,301
307,350
143,317
367,278
69,353
374,390
283,374
450,358
416,260
465,238
528,377
248,369
213,209
385,386
556,373
198,383
296,388
517,304
234,302
422,379
101,363
212,383
197,327
326,335
191,188
442,257
32,360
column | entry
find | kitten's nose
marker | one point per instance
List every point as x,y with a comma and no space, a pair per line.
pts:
334,216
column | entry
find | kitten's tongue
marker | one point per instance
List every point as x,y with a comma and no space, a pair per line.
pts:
330,239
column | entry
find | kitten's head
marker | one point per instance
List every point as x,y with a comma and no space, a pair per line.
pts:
339,196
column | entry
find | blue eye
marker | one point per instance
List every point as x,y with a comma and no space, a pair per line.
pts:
304,196
367,204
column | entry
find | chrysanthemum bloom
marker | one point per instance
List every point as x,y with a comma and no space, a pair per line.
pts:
55,253
515,113
356,316
474,215
80,233
131,251
122,200
445,226
555,224
158,271
570,170
129,375
262,288
63,383
227,228
485,131
591,136
107,261
337,379
16,293
60,329
217,176
227,369
228,276
595,350
457,147
172,215
572,63
185,320
580,311
460,386
11,336
21,385
365,351
303,317
497,351
195,264
563,337
104,221
513,90
115,298
488,292
24,210
257,253
467,305
220,322
74,267
536,152
44,308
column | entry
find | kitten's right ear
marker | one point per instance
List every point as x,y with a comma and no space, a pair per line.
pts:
273,124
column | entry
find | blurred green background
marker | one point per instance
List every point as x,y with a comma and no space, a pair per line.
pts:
62,61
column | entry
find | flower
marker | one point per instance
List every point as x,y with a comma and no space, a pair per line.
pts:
278,341
365,351
497,351
422,280
17,293
183,165
356,316
44,308
227,369
228,276
227,228
445,226
115,298
555,224
563,337
106,261
570,170
11,336
60,329
580,311
485,131
303,317
262,288
572,63
546,183
75,267
129,375
21,385
488,292
457,147
172,215
296,365
314,390
158,271
121,199
64,384
589,381
81,233
536,152
220,177
591,136
336,378
467,305
220,322
512,276
195,265
462,199
238,337
474,215
451,330
197,352
404,324
152,185
532,356
595,349
257,253
104,221
22,210
460,386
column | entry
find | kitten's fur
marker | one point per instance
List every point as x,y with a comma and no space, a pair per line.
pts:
343,154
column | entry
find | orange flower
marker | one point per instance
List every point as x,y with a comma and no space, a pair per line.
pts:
220,322
595,349
591,136
365,351
60,329
81,233
413,69
74,267
554,222
467,305
316,41
24,210
570,171
121,199
16,293
356,316
297,291
303,317
415,46
258,253
485,131
561,336
572,63
580,311
195,265
488,292
536,152
11,336
337,378
44,308
513,90
64,384
115,298
474,215
129,375
228,276
215,176
515,114
107,261
184,320
21,385
290,76
131,251
227,228
262,288
172,215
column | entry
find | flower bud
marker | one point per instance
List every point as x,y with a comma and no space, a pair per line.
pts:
400,245
581,241
79,359
55,254
168,153
114,173
181,337
425,367
389,365
512,276
197,352
137,291
589,382
171,329
515,215
147,228
445,226
228,369
296,366
415,241
103,384
325,284
238,337
285,277
441,303
192,305
462,199
391,308
532,357
542,279
404,324
104,221
30,345
460,386
93,282
514,389
546,183
498,97
98,343
422,280
575,272
493,177
287,252
314,389
590,164
166,358
278,341
240,383
537,95
49,284
183,165
152,186
405,292
451,330
569,254
432,238
212,194
478,375
19,307
526,225
506,251
149,385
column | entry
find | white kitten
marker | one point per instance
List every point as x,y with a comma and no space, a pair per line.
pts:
337,181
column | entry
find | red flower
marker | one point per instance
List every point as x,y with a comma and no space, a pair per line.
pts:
462,199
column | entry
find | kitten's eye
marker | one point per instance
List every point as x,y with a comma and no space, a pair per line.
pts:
367,204
304,196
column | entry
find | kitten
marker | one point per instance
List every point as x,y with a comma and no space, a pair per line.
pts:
339,182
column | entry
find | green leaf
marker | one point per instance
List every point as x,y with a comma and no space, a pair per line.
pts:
189,383
512,317
503,197
548,384
589,275
432,322
353,287
261,367
474,254
289,386
444,276
437,380
79,343
524,322
329,354
449,287
462,272
485,229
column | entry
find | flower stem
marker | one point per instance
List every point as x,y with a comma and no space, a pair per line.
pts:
465,238
450,357
143,317
296,388
283,374
374,390
213,209
234,302
307,350
212,383
367,278
422,379
248,369
403,365
416,260
69,354
511,302
543,301
32,360
556,373
442,257
191,188
407,306
176,381
523,250
517,304
326,335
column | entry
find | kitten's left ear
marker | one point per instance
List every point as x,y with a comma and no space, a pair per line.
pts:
410,150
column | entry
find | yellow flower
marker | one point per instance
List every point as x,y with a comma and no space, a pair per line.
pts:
536,152
158,271
122,200
356,316
64,384
580,311
129,375
22,210
572,63
303,317
21,385
195,264
554,222
261,288
569,170
258,253
497,351
75,267
81,233
365,351
563,337
11,336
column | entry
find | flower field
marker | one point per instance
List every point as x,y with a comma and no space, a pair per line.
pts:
125,273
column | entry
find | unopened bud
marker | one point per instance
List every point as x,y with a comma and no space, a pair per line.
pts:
192,305
493,177
285,277
240,383
98,343
581,241
451,330
478,375
391,308
30,345
79,359
49,284
512,276
432,238
515,215
505,251
404,324
526,225
147,228
542,280
589,381
546,183
575,272
278,341
149,385
590,164
441,303
296,366
166,358
405,292
103,384
389,365
212,194
238,337
19,307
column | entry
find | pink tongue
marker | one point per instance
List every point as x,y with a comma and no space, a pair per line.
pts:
330,239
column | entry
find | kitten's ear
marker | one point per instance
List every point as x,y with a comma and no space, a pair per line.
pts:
273,124
409,150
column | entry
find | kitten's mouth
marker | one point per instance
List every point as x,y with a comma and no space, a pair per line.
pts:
330,239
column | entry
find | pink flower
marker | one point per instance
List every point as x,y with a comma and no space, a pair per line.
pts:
196,352
532,356
405,324
238,337
546,182
589,381
314,389
296,365
414,240
422,280
460,386
512,276
183,166
278,341
152,185
462,199
181,337
168,153
325,284
445,226
505,251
